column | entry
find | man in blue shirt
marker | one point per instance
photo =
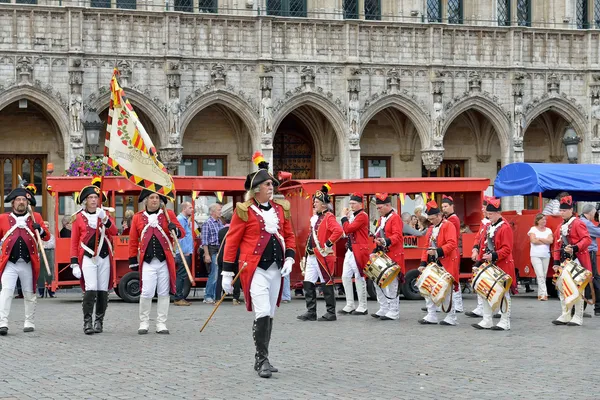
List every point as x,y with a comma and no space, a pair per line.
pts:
187,247
210,243
587,216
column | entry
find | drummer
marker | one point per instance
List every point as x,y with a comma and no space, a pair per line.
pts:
448,211
442,250
572,241
389,239
478,243
496,248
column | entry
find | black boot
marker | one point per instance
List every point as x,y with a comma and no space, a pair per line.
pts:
261,335
329,294
273,369
89,298
310,294
101,304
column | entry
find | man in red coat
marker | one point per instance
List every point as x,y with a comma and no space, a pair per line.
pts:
389,239
448,210
356,227
150,237
497,244
571,242
442,249
261,231
477,244
91,261
20,258
320,257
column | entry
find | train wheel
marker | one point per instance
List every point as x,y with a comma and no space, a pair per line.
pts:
129,287
371,290
409,288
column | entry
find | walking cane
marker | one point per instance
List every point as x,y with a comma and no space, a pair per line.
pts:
222,298
174,236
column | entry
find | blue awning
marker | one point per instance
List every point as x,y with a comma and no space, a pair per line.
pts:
582,181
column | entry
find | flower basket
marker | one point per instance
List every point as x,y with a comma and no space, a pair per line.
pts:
87,167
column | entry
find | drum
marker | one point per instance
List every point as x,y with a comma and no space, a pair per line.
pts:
571,282
491,282
435,282
381,269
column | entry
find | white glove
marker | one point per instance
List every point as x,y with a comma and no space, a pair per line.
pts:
287,266
226,283
76,271
101,214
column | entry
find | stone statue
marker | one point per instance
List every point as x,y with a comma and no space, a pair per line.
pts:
174,113
438,116
519,118
596,119
75,109
353,115
266,113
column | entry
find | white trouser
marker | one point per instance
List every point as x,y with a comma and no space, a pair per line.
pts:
540,266
388,307
457,300
313,271
155,275
350,271
264,291
19,270
96,277
431,311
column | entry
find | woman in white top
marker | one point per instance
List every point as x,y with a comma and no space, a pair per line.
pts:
541,238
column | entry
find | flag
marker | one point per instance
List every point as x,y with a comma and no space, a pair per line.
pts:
402,198
129,150
194,195
219,196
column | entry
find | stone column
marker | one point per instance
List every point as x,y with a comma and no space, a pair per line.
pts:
172,153
266,117
433,154
518,128
353,130
594,157
76,116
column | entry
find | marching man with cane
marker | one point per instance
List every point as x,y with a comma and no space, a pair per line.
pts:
20,258
261,229
149,235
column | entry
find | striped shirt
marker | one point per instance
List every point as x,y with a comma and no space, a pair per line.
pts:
210,232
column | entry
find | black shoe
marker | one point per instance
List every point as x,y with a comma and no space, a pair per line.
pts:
375,316
472,314
477,326
425,322
497,328
528,290
264,371
587,315
384,318
328,317
41,292
51,294
496,316
342,312
359,313
307,316
442,322
557,322
28,329
3,331
142,331
89,298
573,324
423,308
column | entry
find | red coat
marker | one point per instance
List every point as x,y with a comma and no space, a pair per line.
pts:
503,243
81,232
358,234
329,231
7,221
395,239
456,222
577,235
447,246
139,244
480,235
246,234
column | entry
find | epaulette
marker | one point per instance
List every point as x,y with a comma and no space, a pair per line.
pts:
74,216
241,209
286,207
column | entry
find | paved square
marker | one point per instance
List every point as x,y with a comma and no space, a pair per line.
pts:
355,357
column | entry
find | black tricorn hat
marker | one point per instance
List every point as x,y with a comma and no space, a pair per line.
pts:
94,188
28,193
145,193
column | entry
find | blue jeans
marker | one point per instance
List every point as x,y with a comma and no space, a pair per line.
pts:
181,275
286,294
211,284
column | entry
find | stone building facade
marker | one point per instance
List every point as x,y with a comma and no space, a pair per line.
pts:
326,89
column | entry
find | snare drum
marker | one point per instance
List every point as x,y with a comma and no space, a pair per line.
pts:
381,269
492,283
571,282
435,283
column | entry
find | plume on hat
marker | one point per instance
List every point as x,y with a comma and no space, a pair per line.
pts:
259,160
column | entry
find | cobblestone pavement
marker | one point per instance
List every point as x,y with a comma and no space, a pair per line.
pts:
355,357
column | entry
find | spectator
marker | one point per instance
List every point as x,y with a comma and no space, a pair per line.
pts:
210,244
552,206
407,229
45,279
464,228
541,238
65,232
414,222
127,222
587,215
187,247
237,285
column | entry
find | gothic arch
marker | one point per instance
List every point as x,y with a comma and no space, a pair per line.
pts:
154,113
231,101
58,115
492,111
407,106
562,107
320,103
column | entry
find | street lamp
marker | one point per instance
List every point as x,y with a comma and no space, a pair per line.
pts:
571,142
92,126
